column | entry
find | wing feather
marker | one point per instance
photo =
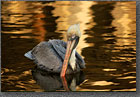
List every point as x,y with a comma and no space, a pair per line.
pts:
46,57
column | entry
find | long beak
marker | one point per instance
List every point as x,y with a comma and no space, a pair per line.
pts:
67,56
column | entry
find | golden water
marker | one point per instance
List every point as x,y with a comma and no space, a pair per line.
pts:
107,44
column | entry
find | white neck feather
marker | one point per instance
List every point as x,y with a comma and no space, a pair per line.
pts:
73,60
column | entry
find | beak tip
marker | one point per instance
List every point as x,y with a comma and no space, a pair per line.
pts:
62,75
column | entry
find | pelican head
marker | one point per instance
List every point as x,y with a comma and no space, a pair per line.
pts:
73,30
73,36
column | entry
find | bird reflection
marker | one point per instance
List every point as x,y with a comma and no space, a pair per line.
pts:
53,82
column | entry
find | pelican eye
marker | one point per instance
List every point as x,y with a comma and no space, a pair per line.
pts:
73,36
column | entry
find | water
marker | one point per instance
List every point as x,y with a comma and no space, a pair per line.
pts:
107,44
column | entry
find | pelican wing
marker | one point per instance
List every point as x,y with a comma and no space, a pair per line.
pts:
45,57
60,47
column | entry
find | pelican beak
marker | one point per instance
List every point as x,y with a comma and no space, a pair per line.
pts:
71,44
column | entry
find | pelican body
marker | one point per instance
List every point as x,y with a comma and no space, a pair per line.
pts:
57,56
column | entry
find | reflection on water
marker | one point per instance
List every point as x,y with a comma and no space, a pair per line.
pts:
52,82
108,43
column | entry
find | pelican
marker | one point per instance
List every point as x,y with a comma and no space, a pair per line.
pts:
57,56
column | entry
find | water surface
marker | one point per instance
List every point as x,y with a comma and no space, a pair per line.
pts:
107,44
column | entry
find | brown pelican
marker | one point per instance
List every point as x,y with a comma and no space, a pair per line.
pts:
57,56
